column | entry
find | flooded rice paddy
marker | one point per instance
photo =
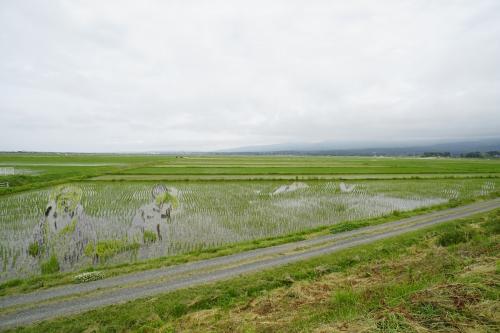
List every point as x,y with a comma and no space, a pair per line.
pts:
92,223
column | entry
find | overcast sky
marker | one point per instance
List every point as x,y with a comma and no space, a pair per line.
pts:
199,75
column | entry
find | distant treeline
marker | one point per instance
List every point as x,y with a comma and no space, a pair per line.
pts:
475,154
380,152
437,154
488,154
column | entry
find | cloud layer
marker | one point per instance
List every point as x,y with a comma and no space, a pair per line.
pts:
199,75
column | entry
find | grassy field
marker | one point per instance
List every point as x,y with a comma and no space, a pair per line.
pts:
36,170
442,279
40,170
272,165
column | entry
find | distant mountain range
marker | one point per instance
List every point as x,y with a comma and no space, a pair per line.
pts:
390,149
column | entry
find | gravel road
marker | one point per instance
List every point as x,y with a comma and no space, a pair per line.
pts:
50,303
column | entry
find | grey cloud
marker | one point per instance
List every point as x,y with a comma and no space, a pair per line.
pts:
176,75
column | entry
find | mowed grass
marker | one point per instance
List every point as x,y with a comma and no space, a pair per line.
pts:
443,279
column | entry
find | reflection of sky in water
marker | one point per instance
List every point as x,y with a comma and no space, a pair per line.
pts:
10,171
212,214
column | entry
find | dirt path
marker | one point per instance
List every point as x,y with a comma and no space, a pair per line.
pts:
28,308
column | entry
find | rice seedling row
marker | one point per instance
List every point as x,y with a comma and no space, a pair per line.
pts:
91,223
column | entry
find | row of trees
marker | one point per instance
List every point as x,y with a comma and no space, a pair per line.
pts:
476,154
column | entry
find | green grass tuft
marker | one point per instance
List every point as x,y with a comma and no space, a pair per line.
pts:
457,235
149,237
50,266
109,248
34,249
346,304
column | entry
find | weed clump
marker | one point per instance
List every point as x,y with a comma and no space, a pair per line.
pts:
345,303
393,322
108,248
149,237
456,236
492,226
51,266
34,249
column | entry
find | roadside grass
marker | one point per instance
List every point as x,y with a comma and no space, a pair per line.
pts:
51,279
408,283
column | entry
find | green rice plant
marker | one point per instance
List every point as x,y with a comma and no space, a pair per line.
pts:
50,266
108,248
207,215
149,237
70,228
165,198
66,196
34,249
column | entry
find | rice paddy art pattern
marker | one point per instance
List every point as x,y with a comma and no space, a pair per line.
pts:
91,223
